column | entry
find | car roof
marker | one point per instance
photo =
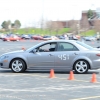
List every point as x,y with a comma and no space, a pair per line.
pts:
60,41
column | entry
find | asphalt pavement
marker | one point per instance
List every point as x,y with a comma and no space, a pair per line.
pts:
33,85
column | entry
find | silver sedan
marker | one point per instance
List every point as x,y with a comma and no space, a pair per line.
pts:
60,55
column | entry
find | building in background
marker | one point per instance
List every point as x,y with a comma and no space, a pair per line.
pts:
88,23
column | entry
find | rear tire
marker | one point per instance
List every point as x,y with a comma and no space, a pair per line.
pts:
81,66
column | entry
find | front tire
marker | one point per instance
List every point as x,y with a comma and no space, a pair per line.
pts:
81,66
18,66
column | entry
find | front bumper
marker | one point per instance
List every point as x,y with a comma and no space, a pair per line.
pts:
4,64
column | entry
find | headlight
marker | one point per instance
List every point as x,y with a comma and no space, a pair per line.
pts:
3,57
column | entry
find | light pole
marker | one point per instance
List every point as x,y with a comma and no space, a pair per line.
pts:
42,21
78,28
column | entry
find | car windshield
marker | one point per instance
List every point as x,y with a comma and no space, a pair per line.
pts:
84,45
33,47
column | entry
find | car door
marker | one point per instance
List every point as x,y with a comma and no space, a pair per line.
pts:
64,56
42,60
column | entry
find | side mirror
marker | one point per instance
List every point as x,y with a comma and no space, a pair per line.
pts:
34,50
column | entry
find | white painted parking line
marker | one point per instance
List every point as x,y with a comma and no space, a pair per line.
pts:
93,97
49,88
11,97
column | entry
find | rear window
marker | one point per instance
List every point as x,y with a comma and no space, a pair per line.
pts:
84,45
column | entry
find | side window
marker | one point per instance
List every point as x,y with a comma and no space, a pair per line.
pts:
64,46
43,48
49,47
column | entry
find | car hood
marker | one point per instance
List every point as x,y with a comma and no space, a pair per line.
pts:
19,51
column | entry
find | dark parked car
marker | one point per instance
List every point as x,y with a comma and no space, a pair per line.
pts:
25,37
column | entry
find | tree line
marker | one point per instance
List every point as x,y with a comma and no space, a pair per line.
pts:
8,24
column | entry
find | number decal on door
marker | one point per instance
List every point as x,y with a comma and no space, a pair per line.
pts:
63,57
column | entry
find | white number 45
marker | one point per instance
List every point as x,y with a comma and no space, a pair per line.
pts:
63,57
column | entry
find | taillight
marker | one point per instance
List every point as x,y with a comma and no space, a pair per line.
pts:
98,54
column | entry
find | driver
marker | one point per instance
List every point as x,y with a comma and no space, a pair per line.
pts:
52,48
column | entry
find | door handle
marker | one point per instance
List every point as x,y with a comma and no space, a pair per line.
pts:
50,55
76,53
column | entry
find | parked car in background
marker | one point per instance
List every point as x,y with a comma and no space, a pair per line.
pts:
61,37
47,37
37,37
11,38
2,35
77,36
73,37
89,38
51,38
25,36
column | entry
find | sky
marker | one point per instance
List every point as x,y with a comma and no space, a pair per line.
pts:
30,12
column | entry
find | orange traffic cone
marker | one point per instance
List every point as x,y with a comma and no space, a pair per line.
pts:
52,75
31,40
93,80
92,42
23,48
22,40
71,76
